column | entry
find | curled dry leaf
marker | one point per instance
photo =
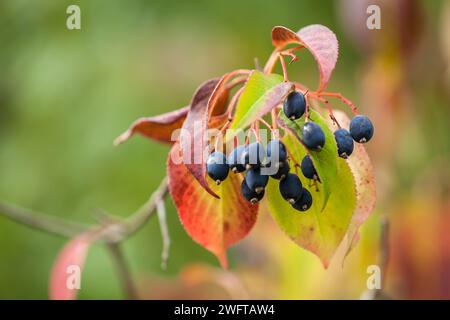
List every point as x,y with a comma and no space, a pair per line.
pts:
161,127
193,137
158,128
66,272
214,223
319,40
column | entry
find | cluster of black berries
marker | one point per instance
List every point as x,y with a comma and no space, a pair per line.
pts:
361,128
252,159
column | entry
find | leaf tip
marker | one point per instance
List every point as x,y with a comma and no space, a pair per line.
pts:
122,138
223,260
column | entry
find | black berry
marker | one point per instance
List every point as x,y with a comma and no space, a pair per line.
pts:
361,129
282,170
255,180
217,167
308,169
276,151
313,136
253,155
291,188
249,194
235,161
294,106
344,143
305,201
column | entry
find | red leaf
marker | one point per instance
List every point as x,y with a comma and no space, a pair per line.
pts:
193,137
67,268
319,40
158,128
214,223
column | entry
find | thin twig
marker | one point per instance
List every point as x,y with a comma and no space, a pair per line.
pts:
110,230
40,221
61,227
161,209
122,269
138,219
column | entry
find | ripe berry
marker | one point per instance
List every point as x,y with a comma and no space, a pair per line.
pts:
276,151
255,180
308,169
305,201
294,106
283,170
291,188
344,143
235,159
313,136
217,167
249,194
361,129
253,155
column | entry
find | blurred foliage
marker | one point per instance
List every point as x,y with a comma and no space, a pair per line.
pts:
65,95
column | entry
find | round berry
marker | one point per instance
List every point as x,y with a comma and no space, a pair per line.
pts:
361,129
313,136
253,155
255,180
295,105
276,151
291,188
305,201
249,194
308,169
282,171
344,143
235,160
217,167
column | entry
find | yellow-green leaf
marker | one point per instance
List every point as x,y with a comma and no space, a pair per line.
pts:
325,160
319,231
262,93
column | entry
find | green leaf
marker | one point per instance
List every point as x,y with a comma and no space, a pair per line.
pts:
261,94
325,160
318,231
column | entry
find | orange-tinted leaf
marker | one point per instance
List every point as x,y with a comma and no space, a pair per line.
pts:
282,36
66,271
218,100
319,40
214,223
362,170
159,128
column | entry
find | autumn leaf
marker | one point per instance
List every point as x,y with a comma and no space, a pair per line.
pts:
214,223
158,128
193,138
319,40
364,176
162,127
70,260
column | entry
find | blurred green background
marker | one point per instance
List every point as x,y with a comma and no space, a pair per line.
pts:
66,94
